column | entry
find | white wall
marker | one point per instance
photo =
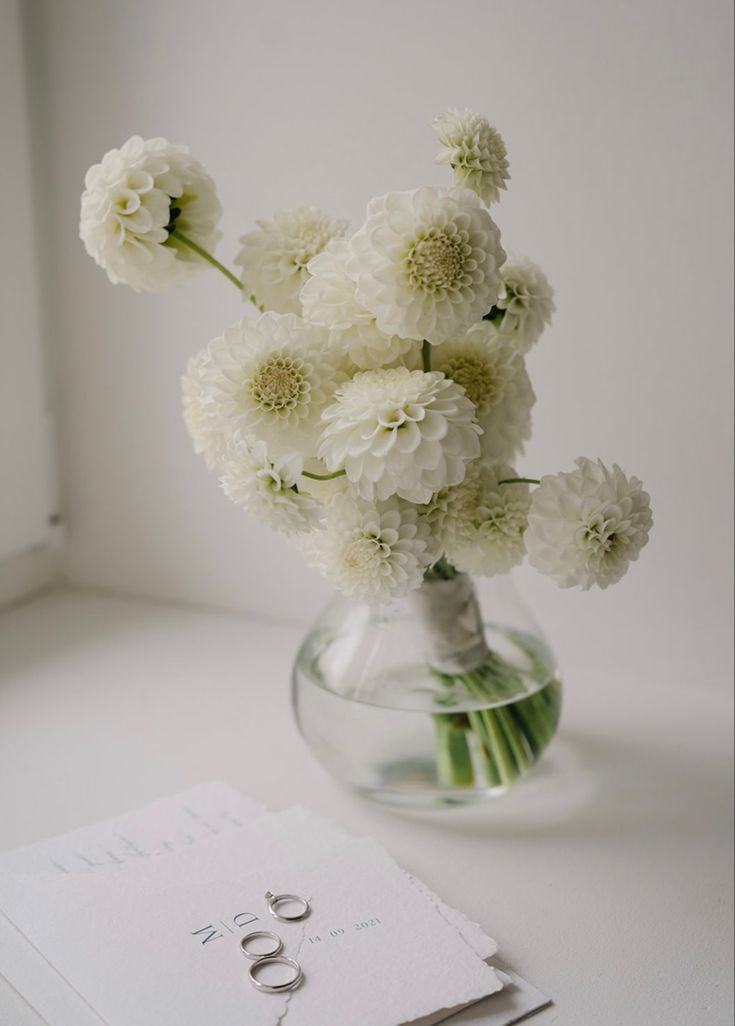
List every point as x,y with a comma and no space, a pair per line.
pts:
617,119
26,479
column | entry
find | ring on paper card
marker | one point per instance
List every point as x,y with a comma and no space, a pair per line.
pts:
275,988
254,956
274,900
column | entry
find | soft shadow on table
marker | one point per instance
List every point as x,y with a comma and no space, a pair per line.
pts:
596,785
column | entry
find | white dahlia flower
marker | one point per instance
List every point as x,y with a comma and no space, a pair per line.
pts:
328,298
427,262
584,527
482,362
480,523
507,426
400,432
274,257
133,201
374,552
492,372
526,302
475,151
272,377
206,434
264,486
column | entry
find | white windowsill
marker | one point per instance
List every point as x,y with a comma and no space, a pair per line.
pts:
605,877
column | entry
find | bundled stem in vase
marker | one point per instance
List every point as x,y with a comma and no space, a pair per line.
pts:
493,744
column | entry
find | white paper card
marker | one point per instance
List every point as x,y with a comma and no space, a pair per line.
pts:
517,1000
205,831
196,834
177,823
374,948
485,947
168,825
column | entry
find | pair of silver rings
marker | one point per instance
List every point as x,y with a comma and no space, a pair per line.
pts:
273,956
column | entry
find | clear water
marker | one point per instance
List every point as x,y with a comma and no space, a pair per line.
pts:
368,714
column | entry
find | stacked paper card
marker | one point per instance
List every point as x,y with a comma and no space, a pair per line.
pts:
137,922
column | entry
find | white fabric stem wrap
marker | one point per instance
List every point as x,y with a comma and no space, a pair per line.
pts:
452,623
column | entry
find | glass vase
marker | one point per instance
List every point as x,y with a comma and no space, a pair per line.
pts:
446,697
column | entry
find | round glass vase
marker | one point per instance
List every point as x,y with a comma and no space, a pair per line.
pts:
444,698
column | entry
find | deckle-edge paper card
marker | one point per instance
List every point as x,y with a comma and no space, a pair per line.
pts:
379,946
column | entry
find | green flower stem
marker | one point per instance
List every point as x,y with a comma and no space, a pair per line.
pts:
497,749
426,355
323,477
196,248
442,570
514,737
529,730
507,769
531,716
538,715
484,749
495,680
454,761
492,747
520,480
505,740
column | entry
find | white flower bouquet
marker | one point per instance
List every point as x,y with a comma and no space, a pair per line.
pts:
375,407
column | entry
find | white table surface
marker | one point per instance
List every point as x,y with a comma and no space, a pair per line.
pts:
605,876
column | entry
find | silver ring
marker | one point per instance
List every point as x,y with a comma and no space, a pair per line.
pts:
252,955
277,899
275,988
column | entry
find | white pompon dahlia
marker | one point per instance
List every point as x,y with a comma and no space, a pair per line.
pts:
492,372
133,201
206,434
272,377
526,301
480,523
475,151
328,298
400,432
586,526
374,552
427,262
264,486
507,426
482,362
274,258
